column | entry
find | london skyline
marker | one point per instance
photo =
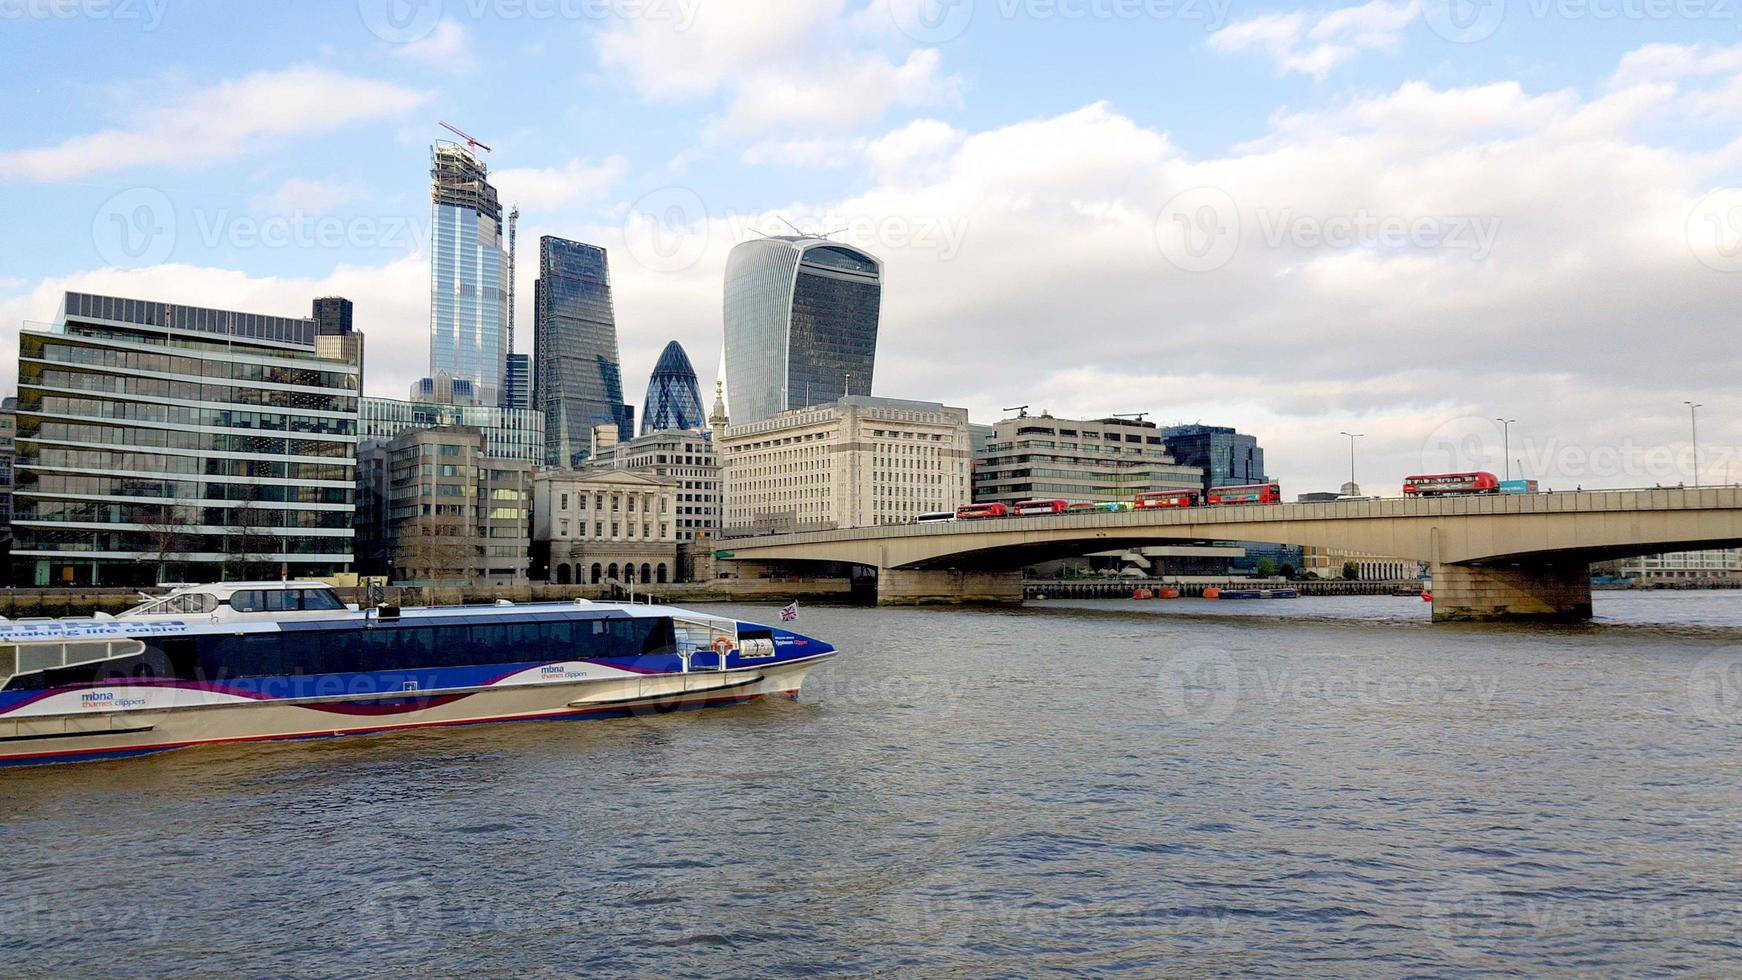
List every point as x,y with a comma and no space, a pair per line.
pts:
1420,283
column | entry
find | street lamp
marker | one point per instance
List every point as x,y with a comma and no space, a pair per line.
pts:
1352,437
1506,443
1694,430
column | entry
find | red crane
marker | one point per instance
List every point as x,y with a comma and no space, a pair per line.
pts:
470,141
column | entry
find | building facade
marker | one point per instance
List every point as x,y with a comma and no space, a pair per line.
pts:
1038,457
1713,566
160,442
674,400
1226,457
801,319
456,516
604,527
517,383
578,379
468,301
508,433
857,462
684,455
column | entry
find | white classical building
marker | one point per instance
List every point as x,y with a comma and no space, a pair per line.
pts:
856,462
598,526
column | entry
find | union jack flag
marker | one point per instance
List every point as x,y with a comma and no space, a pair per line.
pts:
789,613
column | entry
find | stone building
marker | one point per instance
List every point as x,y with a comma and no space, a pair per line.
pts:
604,526
455,516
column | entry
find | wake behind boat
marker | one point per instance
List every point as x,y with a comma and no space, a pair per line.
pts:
250,661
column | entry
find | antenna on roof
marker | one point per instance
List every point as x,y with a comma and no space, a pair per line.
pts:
792,226
470,141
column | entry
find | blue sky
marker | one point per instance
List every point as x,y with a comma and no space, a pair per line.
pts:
1518,180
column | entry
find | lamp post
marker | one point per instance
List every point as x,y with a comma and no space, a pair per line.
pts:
1694,431
1506,443
1352,437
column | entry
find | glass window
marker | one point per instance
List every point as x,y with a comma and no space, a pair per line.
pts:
248,600
320,599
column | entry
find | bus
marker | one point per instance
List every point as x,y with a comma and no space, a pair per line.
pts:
1450,484
1166,498
972,512
1257,493
936,517
1032,508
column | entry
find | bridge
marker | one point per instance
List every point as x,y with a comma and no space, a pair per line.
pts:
1511,556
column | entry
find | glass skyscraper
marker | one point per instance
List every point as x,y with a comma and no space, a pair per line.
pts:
517,383
801,324
468,299
577,377
674,400
1228,458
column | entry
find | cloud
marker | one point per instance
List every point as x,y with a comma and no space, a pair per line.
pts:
1315,44
555,188
447,46
812,154
313,196
227,120
776,62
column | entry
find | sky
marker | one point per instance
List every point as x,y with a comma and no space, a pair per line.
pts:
1406,220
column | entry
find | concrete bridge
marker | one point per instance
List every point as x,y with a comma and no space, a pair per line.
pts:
1523,556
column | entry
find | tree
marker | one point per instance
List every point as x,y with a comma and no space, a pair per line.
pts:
1266,567
169,538
1288,571
251,540
1351,571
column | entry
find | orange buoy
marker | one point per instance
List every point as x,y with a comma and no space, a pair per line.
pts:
1142,594
1168,594
1211,592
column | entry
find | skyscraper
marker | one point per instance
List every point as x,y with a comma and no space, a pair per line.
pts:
468,302
1228,458
578,381
801,324
674,400
517,383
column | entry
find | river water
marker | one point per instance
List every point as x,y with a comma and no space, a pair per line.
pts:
1176,788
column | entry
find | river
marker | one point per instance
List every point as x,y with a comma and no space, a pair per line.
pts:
1171,788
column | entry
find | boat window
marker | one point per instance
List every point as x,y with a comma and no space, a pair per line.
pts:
283,600
248,600
321,599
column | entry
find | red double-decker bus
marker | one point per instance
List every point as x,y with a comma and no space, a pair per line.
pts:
1257,493
1031,508
971,512
1165,498
1450,484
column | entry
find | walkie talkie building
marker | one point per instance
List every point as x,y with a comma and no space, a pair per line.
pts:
801,324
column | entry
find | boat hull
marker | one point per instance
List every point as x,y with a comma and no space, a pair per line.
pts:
177,716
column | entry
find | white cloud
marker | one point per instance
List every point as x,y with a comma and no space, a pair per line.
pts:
1313,45
727,40
858,90
224,121
555,188
812,154
447,46
914,150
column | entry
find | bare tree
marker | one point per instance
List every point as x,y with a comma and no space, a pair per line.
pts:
169,538
249,541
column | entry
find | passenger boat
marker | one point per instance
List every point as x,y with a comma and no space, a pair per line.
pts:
251,661
1259,594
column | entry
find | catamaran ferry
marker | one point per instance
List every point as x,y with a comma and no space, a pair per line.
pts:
248,661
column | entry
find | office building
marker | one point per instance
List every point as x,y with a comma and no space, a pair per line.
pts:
335,339
508,433
1038,457
674,400
332,316
1685,568
856,462
1226,457
517,383
456,516
604,527
130,472
578,380
801,320
468,301
684,455
8,451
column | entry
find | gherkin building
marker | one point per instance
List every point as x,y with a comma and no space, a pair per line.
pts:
674,401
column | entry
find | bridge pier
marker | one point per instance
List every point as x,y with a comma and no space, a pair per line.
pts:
1543,593
948,586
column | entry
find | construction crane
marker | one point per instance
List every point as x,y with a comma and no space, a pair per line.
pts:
471,142
1134,416
1022,411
